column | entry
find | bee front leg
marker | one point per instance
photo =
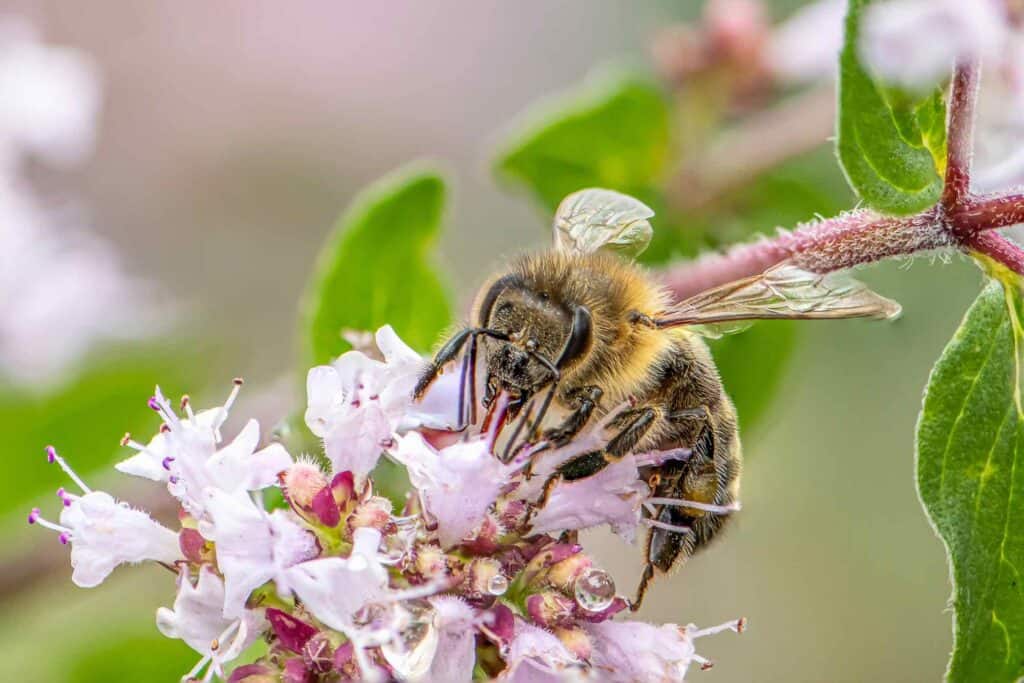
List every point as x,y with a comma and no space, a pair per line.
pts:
445,355
586,401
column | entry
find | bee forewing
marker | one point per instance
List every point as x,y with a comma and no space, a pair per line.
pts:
782,292
595,218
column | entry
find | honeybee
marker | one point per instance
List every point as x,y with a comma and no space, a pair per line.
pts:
581,328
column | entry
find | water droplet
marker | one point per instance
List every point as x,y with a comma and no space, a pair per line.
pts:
410,651
594,590
497,585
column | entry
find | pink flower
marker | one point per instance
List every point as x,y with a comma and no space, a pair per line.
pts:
457,484
197,618
104,533
188,450
358,403
535,656
253,547
613,496
637,651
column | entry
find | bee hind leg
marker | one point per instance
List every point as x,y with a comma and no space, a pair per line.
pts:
641,589
633,424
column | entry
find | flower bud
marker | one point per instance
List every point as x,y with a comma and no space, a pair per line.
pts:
535,573
576,641
254,673
551,609
300,483
374,512
295,671
292,633
486,578
318,654
563,574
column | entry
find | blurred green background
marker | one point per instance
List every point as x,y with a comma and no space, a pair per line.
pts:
231,137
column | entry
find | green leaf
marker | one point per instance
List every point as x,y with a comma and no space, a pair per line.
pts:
376,268
613,133
882,151
752,365
84,419
970,476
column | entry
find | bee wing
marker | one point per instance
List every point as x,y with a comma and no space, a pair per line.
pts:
595,218
782,292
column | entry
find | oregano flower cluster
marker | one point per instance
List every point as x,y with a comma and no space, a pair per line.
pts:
470,577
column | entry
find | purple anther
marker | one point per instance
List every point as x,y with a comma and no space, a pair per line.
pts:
65,538
33,515
51,454
152,403
166,462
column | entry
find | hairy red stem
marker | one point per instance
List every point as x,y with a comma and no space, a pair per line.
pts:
960,134
959,220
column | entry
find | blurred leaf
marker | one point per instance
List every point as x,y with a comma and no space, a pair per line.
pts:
375,268
133,658
613,135
970,474
883,153
752,364
85,420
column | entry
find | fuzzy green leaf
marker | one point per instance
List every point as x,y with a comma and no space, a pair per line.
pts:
882,151
970,476
376,269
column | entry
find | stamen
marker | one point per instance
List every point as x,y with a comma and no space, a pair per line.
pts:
126,439
737,625
191,675
166,463
35,517
64,538
52,457
704,662
707,507
66,497
238,382
161,405
186,407
675,528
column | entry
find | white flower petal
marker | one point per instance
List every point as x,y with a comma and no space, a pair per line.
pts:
253,547
105,533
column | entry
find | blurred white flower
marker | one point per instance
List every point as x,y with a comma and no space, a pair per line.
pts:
914,43
61,288
456,648
804,48
197,620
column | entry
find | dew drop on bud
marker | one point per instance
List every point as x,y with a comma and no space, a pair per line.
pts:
594,590
497,584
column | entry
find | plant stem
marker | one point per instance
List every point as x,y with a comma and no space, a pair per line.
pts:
960,135
958,220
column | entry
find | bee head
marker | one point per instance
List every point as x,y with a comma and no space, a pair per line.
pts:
542,335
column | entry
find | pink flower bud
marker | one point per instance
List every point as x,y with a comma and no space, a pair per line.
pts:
551,609
301,482
292,633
